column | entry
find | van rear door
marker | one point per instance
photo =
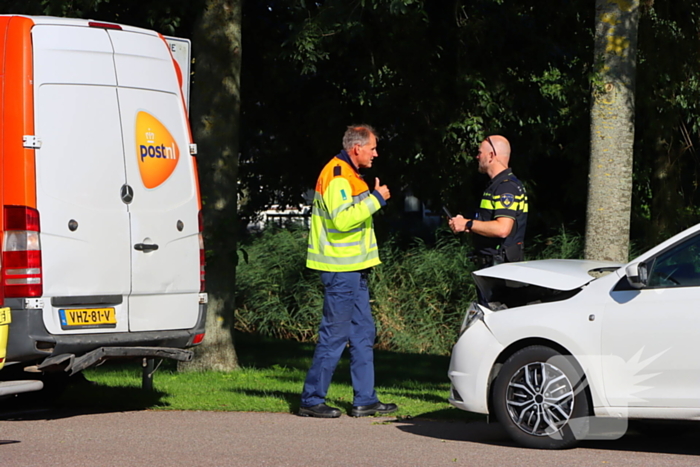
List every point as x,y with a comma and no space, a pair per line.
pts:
159,168
85,229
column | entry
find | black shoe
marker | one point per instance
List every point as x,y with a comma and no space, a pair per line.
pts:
320,410
365,410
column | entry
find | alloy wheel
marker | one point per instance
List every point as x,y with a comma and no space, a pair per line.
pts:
540,399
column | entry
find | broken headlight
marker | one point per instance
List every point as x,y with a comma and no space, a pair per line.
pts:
473,313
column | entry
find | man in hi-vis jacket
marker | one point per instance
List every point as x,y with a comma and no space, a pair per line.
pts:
342,246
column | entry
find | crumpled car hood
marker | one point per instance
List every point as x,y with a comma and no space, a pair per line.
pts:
516,284
558,274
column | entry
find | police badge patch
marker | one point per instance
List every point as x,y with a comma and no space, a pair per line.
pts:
507,199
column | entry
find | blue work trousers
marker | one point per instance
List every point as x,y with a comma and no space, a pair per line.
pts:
347,318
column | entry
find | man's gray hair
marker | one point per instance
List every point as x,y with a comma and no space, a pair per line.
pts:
357,134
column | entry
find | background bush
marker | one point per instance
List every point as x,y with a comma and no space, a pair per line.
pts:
419,293
276,295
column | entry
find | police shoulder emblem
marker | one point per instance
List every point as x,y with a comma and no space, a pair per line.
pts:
507,199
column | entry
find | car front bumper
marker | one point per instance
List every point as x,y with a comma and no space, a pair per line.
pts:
473,358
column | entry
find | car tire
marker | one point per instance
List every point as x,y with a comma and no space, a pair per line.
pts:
539,397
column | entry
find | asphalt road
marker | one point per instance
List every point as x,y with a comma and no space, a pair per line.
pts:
170,438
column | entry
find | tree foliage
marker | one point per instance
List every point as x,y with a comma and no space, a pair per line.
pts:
668,120
434,77
172,17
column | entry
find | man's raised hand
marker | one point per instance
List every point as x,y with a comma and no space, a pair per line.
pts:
382,189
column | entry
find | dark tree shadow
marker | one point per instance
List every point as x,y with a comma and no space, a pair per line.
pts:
84,397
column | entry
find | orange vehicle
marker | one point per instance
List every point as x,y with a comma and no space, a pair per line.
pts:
100,213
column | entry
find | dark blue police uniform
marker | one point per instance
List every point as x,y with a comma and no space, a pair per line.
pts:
504,197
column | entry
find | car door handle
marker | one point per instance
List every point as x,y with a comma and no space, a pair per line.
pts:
145,247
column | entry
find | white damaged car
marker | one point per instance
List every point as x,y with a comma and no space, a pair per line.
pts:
564,350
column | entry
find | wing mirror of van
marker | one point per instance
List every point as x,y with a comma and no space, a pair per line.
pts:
637,275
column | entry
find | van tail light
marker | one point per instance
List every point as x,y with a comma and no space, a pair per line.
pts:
98,24
198,338
202,261
21,253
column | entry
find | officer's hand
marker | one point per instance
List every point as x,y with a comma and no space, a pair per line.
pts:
458,223
382,189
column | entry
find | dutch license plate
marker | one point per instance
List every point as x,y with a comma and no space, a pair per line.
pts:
88,318
5,316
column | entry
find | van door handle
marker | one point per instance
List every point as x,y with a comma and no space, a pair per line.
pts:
145,247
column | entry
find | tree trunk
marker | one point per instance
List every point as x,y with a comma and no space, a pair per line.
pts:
216,124
612,131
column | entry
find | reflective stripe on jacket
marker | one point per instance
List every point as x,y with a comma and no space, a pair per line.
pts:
342,237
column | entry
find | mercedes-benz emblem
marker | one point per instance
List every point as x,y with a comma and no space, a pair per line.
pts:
127,194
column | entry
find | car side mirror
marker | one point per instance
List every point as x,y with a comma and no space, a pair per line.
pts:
637,275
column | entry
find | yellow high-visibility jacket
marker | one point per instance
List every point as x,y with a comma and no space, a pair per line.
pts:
342,236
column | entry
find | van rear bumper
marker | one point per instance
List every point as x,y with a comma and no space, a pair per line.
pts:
30,342
69,362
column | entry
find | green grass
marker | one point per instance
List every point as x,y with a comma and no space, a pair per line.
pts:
270,380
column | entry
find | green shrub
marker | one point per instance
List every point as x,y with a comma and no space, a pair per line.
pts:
564,245
419,293
419,296
276,295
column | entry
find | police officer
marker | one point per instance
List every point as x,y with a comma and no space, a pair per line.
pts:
342,246
499,225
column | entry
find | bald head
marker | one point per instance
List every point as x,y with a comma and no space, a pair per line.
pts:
502,147
494,155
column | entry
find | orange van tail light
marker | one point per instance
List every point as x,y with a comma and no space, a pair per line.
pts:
202,260
21,253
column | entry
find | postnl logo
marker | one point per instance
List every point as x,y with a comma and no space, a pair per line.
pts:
157,150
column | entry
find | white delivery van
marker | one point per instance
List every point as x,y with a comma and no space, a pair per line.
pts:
100,214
